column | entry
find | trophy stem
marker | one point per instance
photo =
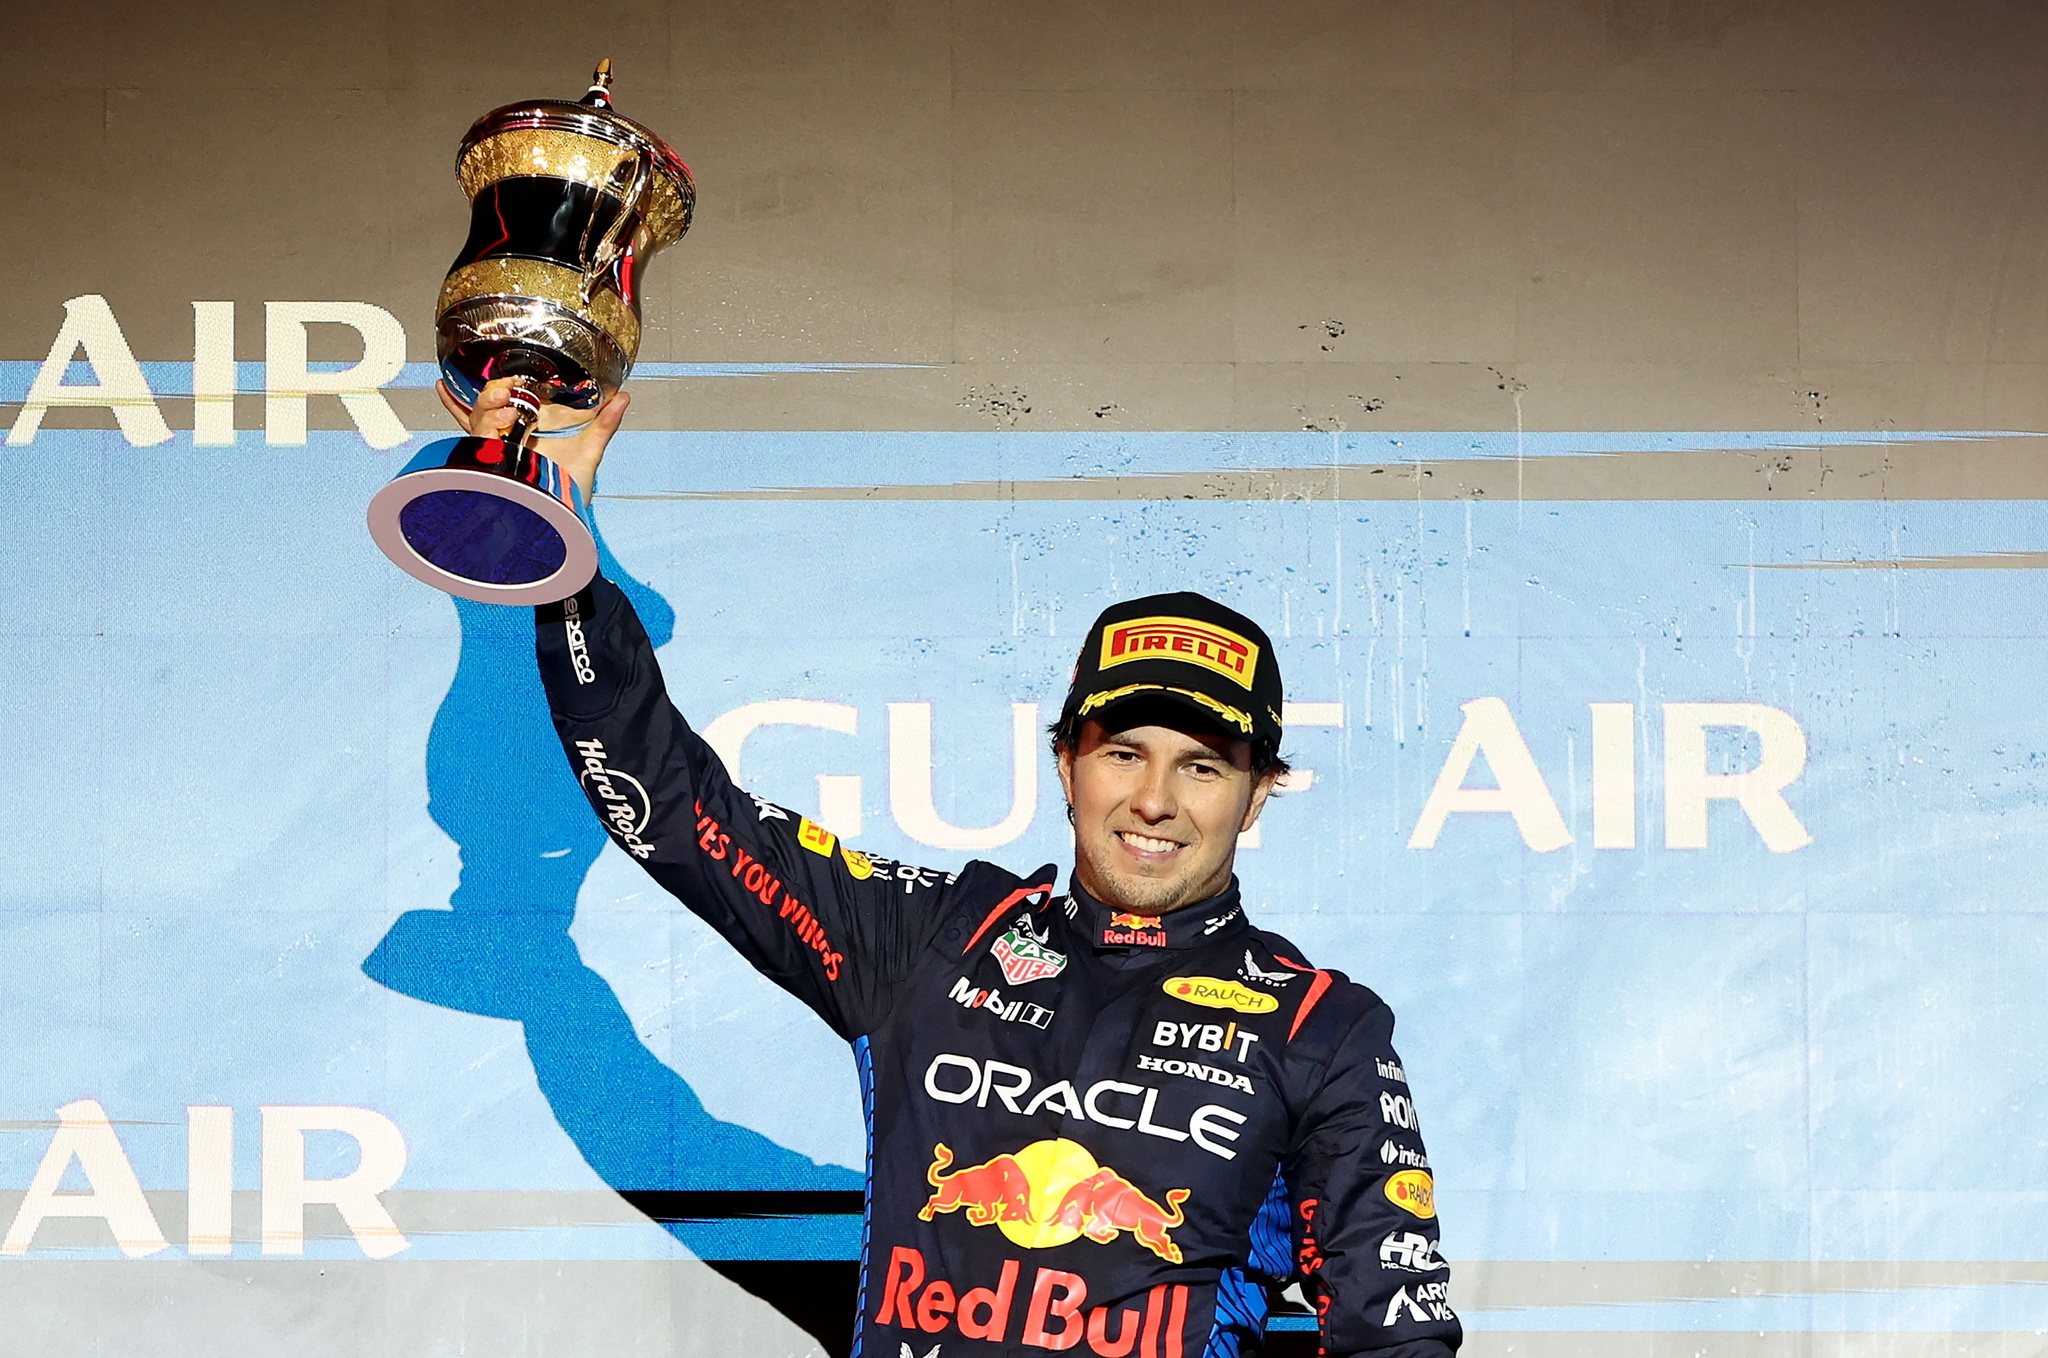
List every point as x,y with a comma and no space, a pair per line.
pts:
526,402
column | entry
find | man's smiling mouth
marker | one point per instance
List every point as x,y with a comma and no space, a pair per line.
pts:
1146,844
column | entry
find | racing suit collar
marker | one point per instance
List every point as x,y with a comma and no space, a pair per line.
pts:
1218,917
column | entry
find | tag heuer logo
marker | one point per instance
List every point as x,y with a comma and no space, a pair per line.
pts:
1023,958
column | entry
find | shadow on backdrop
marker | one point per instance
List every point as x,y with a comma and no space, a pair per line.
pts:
499,786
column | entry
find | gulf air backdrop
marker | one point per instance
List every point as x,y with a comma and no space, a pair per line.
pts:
1676,767
1695,842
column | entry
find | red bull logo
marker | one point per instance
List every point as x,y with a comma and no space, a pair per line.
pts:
1052,1192
1056,1313
1105,1203
1133,931
991,1192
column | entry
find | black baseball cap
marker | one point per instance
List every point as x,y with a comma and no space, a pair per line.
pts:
1185,649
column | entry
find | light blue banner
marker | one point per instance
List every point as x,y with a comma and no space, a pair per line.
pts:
240,745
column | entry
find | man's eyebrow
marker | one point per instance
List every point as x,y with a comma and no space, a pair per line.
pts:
1195,755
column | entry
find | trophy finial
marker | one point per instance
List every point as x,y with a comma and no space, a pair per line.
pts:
600,93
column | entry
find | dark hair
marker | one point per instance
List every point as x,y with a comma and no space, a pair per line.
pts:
1066,735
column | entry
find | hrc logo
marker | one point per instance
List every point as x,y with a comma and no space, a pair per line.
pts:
1211,647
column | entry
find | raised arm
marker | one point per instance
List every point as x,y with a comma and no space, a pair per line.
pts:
832,926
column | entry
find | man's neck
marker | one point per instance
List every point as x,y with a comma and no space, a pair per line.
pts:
1110,926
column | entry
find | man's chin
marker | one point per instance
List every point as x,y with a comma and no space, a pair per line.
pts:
1145,895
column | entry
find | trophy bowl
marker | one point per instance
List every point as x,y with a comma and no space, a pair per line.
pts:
568,203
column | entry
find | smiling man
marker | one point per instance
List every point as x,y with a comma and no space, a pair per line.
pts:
1113,1120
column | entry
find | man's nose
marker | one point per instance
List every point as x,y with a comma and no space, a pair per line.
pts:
1153,799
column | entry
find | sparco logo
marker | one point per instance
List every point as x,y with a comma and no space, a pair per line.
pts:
620,798
579,650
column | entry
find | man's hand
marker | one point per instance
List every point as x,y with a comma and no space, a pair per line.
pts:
577,455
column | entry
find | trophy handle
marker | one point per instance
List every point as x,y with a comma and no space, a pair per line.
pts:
619,234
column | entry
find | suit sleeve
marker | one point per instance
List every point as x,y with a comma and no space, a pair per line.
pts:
834,927
1365,1227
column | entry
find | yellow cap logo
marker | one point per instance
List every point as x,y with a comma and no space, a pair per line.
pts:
816,838
1214,994
1197,643
1412,1191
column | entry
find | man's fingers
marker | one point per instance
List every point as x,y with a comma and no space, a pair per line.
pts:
492,417
495,395
579,455
606,423
610,416
489,418
494,413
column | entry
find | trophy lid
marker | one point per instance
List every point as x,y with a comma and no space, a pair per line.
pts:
548,137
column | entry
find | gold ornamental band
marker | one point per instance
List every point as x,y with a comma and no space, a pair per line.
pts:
584,160
550,283
1241,720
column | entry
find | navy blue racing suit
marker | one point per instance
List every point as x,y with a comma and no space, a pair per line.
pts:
1089,1131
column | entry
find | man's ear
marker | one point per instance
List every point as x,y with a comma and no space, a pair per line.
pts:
1262,788
1064,755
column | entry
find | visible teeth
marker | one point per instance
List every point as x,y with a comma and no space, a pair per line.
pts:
1147,843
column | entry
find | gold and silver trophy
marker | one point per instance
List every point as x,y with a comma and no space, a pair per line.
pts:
568,204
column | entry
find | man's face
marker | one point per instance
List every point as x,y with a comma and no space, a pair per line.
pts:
1157,813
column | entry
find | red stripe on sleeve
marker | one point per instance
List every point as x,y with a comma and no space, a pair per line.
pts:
1315,993
1005,903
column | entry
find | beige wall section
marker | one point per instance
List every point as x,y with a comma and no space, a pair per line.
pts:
1142,214
680,1309
507,1309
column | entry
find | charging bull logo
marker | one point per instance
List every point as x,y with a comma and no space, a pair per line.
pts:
1105,1202
997,1191
1052,1192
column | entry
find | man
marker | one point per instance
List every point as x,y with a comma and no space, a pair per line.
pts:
1111,1121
